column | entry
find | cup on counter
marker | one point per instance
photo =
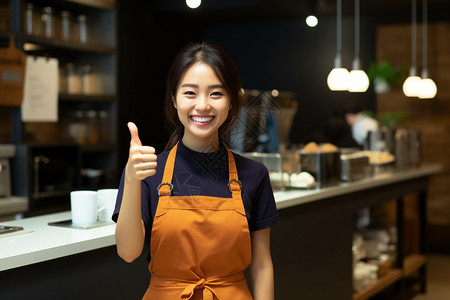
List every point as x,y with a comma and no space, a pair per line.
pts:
106,199
84,207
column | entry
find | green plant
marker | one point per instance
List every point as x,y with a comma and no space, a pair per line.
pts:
385,71
391,118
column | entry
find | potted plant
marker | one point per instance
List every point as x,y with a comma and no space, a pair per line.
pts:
383,76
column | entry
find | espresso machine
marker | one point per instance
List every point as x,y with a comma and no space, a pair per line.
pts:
11,207
6,152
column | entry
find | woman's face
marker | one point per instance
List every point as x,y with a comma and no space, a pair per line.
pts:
202,104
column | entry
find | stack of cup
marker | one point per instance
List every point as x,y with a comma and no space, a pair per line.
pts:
91,207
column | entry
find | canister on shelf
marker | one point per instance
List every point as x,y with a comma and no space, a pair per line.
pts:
86,79
104,127
47,19
92,134
65,25
77,127
73,79
82,28
29,22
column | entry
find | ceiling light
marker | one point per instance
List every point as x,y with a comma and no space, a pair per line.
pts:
337,79
312,21
428,88
411,86
193,3
357,81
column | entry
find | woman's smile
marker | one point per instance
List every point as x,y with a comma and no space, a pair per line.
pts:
202,120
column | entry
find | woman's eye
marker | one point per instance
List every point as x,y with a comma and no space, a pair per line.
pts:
216,94
189,93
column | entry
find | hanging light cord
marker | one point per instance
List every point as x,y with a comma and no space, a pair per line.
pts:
425,38
413,37
357,29
339,29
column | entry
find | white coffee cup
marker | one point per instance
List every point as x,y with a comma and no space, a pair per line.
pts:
84,207
106,198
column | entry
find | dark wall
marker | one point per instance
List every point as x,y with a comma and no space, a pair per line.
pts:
147,44
281,54
288,55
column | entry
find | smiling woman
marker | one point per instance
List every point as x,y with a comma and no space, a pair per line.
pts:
187,202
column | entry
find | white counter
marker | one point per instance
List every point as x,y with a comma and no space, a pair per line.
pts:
293,197
40,242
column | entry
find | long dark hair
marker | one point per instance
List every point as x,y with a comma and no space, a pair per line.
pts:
224,68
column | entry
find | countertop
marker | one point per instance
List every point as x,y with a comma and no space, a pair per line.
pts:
291,197
39,242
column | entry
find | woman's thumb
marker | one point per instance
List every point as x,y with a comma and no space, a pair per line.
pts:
134,133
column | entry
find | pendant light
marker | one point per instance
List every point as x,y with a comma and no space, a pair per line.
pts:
412,84
337,80
358,80
428,88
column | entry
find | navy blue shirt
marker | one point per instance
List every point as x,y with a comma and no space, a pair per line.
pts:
207,174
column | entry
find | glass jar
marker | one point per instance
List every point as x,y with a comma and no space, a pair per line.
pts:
92,133
29,19
86,79
82,28
104,127
47,19
65,25
73,79
77,127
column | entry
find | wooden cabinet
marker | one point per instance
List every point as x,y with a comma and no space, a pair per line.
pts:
85,135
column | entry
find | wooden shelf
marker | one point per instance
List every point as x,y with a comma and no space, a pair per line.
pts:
38,43
80,4
382,283
412,263
89,98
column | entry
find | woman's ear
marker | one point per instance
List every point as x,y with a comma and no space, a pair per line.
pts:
174,102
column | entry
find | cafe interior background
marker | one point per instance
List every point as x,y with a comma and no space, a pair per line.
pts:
274,50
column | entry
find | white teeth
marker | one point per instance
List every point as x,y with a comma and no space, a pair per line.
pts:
201,119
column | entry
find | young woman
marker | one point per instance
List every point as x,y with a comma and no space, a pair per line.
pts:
205,211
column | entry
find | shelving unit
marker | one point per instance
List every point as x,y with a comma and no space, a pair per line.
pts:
91,150
390,278
411,264
408,271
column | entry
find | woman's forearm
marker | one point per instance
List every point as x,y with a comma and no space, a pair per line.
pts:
130,230
262,283
261,267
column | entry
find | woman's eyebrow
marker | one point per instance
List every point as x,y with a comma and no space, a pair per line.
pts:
189,85
214,86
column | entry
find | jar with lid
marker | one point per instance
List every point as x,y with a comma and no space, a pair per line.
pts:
82,28
29,22
73,79
92,133
77,127
85,72
47,19
65,25
104,127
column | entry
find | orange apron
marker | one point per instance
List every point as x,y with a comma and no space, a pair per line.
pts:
200,245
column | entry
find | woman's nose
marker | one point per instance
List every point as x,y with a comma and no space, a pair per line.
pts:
202,103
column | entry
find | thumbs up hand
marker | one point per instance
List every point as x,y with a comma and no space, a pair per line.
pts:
142,159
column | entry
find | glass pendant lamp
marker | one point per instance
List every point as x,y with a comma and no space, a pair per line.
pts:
337,79
428,88
358,80
411,86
